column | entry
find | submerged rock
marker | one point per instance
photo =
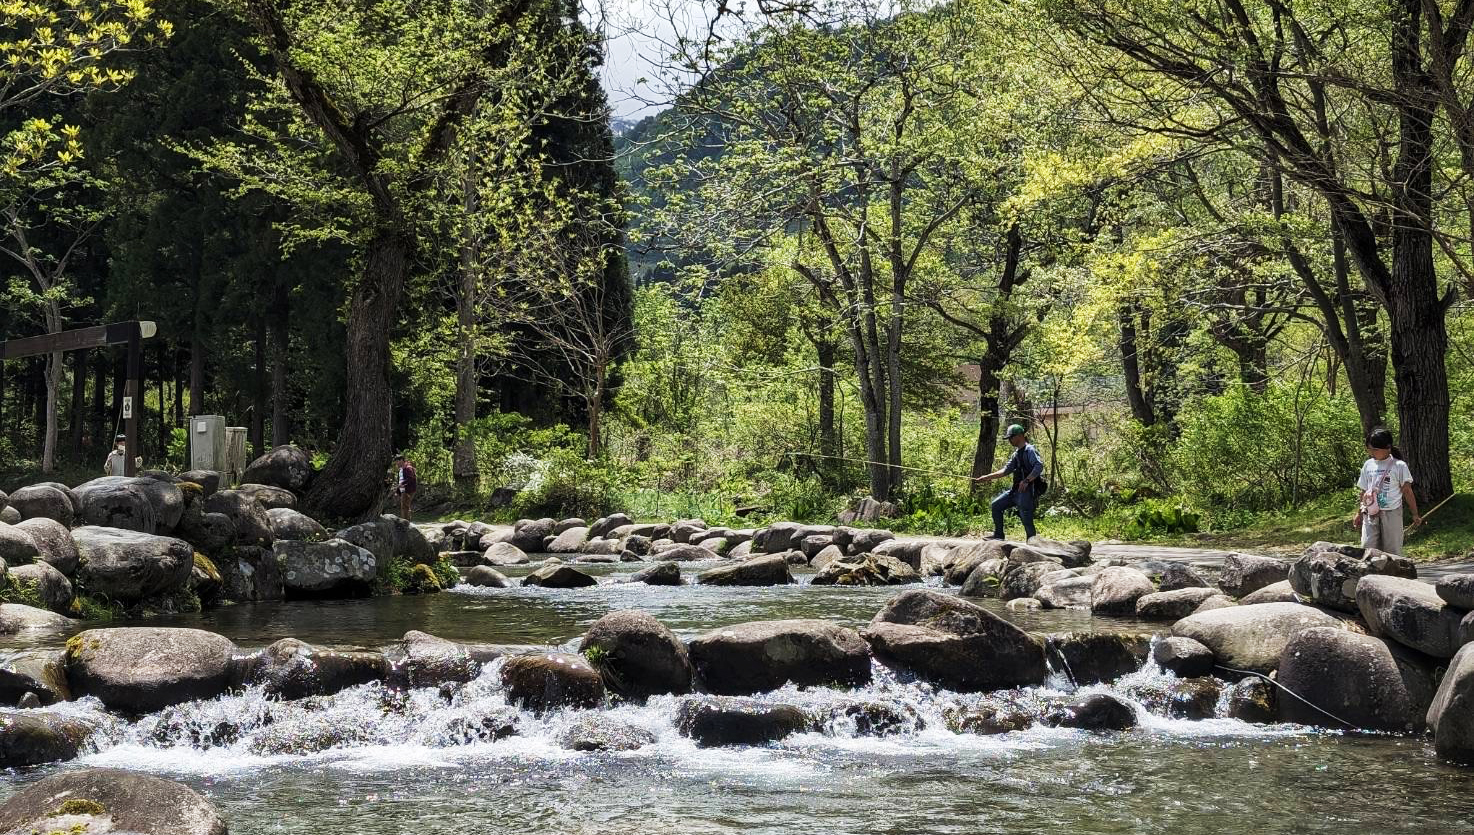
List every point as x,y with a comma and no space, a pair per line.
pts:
872,718
559,577
290,669
1193,698
660,574
33,738
548,681
1097,657
764,655
486,577
988,719
600,733
954,643
1252,700
1341,679
637,655
109,800
727,720
1097,712
1251,638
143,669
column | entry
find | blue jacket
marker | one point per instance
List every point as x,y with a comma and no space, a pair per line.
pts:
1024,463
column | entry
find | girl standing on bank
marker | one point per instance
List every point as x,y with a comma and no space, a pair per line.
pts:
1385,483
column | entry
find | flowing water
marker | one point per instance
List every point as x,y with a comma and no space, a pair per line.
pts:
434,763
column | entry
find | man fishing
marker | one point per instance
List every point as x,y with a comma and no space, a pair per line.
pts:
1027,469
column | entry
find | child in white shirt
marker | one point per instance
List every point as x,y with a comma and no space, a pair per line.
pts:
1385,483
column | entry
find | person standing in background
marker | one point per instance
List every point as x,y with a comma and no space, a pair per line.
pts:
117,459
409,482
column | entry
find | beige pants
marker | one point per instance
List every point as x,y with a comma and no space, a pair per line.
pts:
1383,531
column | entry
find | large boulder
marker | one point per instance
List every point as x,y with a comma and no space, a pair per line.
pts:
637,655
1251,638
1073,554
252,525
42,673
287,523
659,574
422,660
1451,714
1327,574
209,533
559,577
1096,657
270,497
128,566
1281,592
1171,605
770,570
965,558
97,800
287,467
486,577
33,738
759,656
866,570
1096,712
726,720
602,527
45,584
144,669
1409,612
1246,573
376,536
1183,657
208,480
291,669
954,643
1022,580
39,501
250,574
116,502
1116,589
528,534
570,541
1455,589
548,681
53,542
1344,680
1067,593
325,569
16,545
504,553
20,619
167,500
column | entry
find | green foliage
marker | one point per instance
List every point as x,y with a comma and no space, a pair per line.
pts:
1155,517
569,484
445,572
421,580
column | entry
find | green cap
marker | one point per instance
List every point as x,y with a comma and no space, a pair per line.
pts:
1014,429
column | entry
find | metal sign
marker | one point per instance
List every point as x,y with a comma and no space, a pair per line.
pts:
127,408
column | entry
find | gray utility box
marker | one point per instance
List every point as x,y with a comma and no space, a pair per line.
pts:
207,443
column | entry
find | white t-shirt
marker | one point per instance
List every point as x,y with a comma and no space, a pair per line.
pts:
1388,476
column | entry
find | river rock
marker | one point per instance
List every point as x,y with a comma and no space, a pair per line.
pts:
987,719
1281,592
1171,605
287,523
726,720
334,568
485,576
1183,657
569,541
1328,574
603,527
129,566
9,515
1098,657
1451,714
1180,575
1096,712
290,669
1246,573
760,656
98,800
1115,590
1345,680
740,552
250,574
637,655
683,553
1068,593
252,525
504,553
1456,590
600,548
660,574
559,577
1022,581
50,586
770,570
143,669
53,542
33,738
1217,601
44,502
1251,637
1073,554
954,643
422,660
116,502
866,570
208,480
18,618
409,542
41,673
1409,612
529,534
548,681
597,732
967,557
866,540
285,467
209,533
1024,604
16,545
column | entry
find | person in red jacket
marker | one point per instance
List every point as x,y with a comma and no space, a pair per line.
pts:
409,482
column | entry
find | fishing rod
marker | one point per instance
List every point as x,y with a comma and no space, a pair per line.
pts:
1431,512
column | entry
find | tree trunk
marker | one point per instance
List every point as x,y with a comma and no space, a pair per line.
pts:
596,409
258,389
986,453
351,485
99,402
828,354
281,421
53,398
463,453
79,401
1141,407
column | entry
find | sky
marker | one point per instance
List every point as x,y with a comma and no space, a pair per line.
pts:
639,33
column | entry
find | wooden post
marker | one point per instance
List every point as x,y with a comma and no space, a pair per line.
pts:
133,399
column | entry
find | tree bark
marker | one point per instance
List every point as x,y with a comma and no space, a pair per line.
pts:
53,372
351,485
79,400
281,336
1136,394
99,401
828,355
463,453
986,453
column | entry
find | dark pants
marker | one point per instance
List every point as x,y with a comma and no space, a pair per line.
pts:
1024,501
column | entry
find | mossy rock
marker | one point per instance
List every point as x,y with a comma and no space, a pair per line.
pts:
422,580
203,564
192,492
79,806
